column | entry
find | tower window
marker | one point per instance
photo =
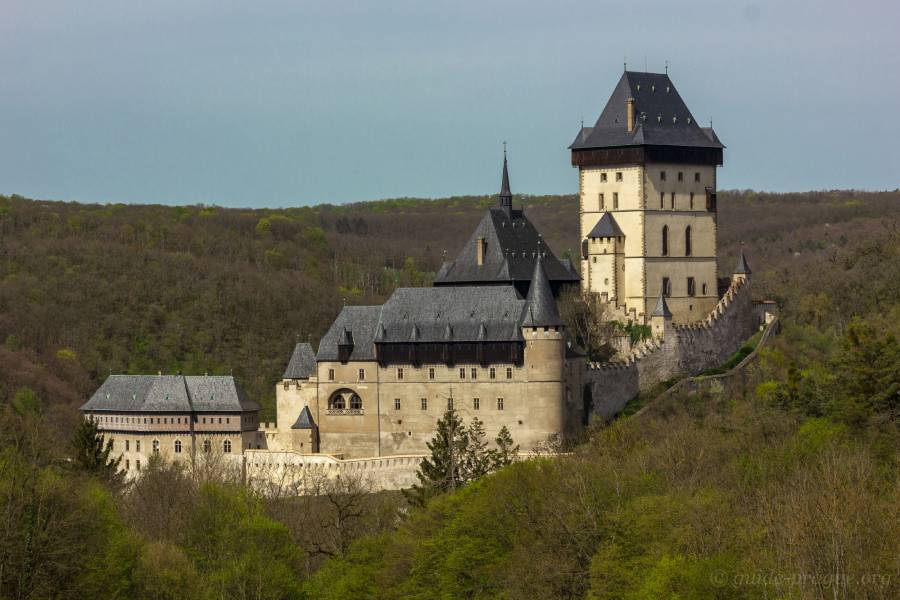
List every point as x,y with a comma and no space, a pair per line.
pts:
672,200
690,286
474,373
602,203
492,373
692,200
509,372
226,446
662,175
396,403
462,373
602,177
697,177
662,199
476,403
618,176
680,176
400,374
665,240
704,289
666,287
499,403
362,374
430,372
424,403
330,374
615,200
687,241
177,446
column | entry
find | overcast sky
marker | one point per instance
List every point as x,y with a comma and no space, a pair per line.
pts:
285,103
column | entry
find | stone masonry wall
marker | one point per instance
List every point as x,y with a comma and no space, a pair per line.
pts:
683,350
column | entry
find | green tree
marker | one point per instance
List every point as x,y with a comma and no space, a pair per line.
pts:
91,452
445,468
479,459
506,450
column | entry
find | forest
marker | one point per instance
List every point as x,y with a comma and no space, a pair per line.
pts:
789,492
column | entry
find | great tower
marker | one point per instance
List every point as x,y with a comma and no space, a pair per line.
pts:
647,188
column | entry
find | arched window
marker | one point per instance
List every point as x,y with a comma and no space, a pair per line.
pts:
687,240
344,399
665,240
207,446
177,446
155,446
226,446
337,401
355,401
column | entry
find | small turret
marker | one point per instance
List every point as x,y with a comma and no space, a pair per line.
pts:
540,307
661,317
741,269
505,193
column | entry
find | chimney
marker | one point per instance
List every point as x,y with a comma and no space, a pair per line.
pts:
479,251
629,115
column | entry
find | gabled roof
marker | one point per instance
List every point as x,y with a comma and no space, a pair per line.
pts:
304,420
169,393
302,364
540,307
662,308
360,324
661,117
606,227
453,313
742,267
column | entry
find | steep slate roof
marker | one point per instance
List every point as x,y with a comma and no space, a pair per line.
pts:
742,267
662,308
540,307
661,117
360,323
302,364
169,393
512,244
606,227
462,313
304,420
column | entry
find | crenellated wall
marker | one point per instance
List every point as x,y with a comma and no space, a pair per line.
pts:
683,350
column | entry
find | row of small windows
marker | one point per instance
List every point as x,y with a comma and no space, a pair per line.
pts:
601,199
473,373
688,243
176,446
423,403
662,176
108,420
690,286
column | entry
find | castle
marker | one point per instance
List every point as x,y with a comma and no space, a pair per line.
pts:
487,338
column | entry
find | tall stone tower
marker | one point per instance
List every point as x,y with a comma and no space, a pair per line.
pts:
647,186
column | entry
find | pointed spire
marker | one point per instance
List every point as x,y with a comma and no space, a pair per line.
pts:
540,307
662,307
505,193
346,338
742,268
305,420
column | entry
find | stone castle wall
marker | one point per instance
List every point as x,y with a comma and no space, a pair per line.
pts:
683,350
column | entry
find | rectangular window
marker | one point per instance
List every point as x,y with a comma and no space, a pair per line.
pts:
509,372
287,384
112,443
499,403
137,463
474,373
618,176
424,403
704,289
602,202
462,373
680,176
431,373
127,444
127,465
362,374
400,374
492,373
137,446
666,287
396,403
615,200
662,199
476,403
672,200
662,175
697,177
330,374
602,177
692,200
690,286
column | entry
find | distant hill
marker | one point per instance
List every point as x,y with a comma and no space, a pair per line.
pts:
89,289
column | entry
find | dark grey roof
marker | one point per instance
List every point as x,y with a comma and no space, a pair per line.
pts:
512,244
661,117
540,307
606,227
304,420
460,313
742,267
302,364
360,324
170,393
662,307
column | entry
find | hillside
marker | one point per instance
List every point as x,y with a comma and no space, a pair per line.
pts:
86,290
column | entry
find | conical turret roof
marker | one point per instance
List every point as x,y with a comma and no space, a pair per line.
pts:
540,307
662,308
742,268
